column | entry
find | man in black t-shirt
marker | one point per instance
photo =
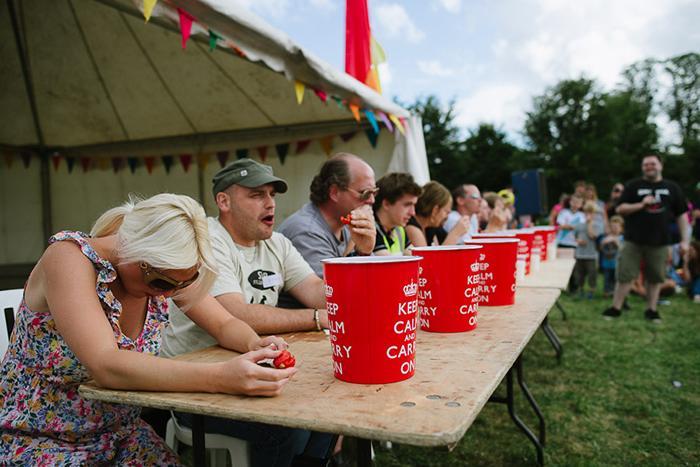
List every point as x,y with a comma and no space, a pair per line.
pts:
648,204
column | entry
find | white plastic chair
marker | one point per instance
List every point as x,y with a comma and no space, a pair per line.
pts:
9,299
217,444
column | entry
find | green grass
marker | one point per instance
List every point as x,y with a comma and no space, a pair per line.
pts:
611,401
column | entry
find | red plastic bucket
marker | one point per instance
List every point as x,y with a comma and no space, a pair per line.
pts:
497,270
373,317
550,241
448,296
525,246
547,234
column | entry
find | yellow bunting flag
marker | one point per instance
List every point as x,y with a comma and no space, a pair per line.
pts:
355,111
327,144
397,123
148,6
299,90
203,161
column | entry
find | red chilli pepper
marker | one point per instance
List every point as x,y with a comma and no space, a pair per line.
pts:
346,219
284,360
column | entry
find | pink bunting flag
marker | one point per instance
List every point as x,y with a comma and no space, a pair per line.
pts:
302,145
185,25
85,163
383,117
117,163
321,95
149,162
56,160
262,152
185,160
222,157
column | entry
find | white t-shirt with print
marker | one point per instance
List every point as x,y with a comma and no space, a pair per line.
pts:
259,273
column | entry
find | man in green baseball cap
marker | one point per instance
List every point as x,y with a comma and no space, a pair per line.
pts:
255,266
247,173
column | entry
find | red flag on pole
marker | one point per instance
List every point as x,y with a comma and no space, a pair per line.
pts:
358,57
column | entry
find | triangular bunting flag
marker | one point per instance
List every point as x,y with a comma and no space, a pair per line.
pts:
338,101
26,158
103,163
355,111
213,39
372,120
299,91
241,153
185,25
85,163
70,163
117,164
347,136
203,161
372,137
302,144
397,123
282,150
133,162
404,123
186,161
327,144
148,6
167,162
321,95
9,159
222,157
386,121
262,152
149,162
56,160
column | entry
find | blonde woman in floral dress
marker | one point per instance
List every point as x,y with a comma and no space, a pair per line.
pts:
93,308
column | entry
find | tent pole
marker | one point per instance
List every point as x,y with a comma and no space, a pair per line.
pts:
43,153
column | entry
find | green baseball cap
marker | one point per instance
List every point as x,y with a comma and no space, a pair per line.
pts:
247,173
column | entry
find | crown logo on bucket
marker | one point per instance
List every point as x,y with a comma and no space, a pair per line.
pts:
475,267
328,290
410,290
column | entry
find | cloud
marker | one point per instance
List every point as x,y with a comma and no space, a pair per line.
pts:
434,68
394,21
267,8
500,103
452,6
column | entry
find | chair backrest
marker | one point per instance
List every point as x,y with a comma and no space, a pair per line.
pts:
9,303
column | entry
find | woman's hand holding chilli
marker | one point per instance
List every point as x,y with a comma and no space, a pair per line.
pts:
277,343
243,375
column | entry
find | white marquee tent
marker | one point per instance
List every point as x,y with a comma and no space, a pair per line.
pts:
91,81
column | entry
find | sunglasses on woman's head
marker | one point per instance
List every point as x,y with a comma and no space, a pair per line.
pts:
160,281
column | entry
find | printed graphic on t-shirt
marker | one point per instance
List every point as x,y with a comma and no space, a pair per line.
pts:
657,207
264,280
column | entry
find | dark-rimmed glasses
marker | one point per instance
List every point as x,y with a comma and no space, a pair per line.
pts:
364,195
159,281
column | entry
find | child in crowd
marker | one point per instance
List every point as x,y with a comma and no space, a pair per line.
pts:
609,248
586,254
567,221
691,270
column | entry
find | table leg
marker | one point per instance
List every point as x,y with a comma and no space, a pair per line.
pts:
561,308
553,338
530,399
364,452
509,400
198,440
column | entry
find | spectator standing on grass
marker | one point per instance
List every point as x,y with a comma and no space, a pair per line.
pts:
567,220
600,216
648,204
556,209
586,254
609,251
614,199
690,271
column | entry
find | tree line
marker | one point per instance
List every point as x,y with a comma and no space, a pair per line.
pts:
576,130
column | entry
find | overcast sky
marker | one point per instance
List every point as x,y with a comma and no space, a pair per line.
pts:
493,56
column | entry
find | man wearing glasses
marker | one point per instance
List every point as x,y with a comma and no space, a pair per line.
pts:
344,186
466,202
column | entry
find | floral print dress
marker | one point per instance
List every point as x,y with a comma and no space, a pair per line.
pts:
43,419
